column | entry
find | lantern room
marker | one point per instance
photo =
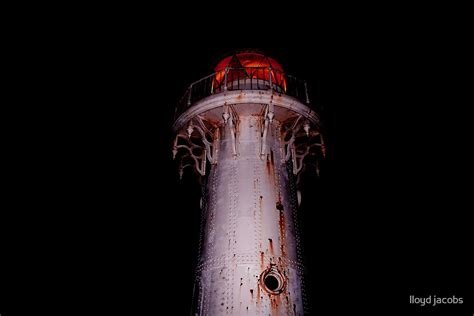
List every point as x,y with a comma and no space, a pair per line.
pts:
249,68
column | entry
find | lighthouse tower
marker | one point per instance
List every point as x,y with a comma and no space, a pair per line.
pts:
248,131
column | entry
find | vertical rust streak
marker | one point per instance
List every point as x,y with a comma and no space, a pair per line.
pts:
258,294
269,166
282,233
282,225
270,241
274,302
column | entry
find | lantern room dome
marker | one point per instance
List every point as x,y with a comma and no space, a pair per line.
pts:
243,69
248,59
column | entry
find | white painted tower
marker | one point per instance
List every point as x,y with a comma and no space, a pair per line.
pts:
248,131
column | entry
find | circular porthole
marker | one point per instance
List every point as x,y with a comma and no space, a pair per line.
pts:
272,281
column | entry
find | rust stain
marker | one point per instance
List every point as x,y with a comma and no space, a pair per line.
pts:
282,224
279,206
270,241
251,294
274,303
270,165
287,307
262,260
276,300
237,128
258,294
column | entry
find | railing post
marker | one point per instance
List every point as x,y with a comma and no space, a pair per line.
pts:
283,83
306,92
225,78
270,77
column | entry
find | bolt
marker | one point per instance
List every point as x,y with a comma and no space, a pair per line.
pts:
190,130
270,116
226,117
306,128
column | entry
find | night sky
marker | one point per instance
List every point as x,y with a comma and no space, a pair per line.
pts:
388,217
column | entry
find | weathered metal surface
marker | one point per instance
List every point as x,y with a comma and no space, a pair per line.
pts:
251,146
247,233
281,102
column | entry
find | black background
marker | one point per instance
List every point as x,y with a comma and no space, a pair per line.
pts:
388,217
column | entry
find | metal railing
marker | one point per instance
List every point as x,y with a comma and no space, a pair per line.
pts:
245,78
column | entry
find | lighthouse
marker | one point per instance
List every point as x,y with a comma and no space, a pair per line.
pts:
248,131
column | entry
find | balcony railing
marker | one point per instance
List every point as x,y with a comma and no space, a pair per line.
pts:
246,78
